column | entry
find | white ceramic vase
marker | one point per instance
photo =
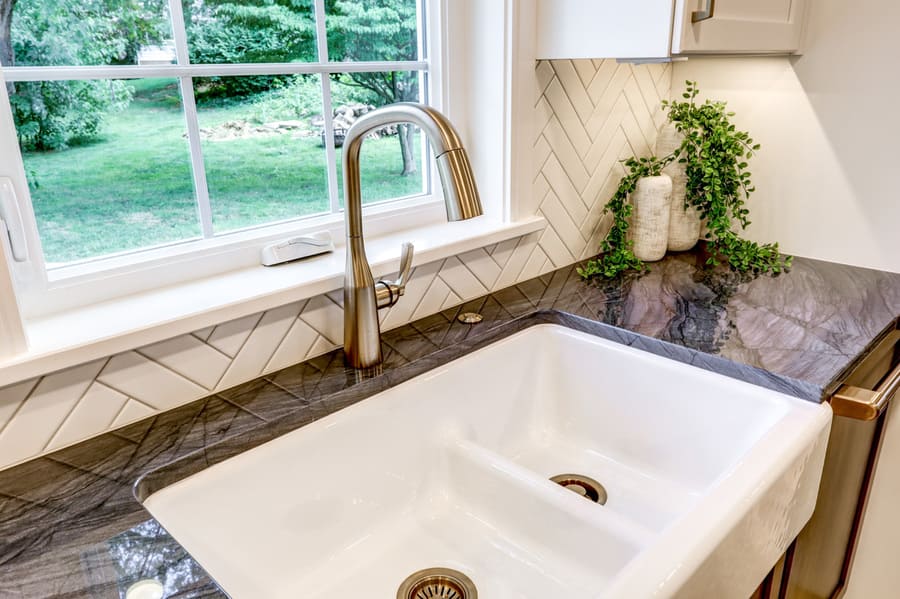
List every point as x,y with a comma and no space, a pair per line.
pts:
651,198
684,223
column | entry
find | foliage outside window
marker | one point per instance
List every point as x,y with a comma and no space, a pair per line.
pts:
150,122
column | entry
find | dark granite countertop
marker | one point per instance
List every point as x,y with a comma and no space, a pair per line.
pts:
71,527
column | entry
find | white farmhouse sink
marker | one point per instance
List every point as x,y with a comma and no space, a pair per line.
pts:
708,480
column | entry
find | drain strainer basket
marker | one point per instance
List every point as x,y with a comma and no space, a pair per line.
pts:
437,583
582,485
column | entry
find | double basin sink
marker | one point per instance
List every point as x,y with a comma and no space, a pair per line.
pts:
549,464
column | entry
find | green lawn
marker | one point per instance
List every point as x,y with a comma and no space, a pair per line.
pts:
133,187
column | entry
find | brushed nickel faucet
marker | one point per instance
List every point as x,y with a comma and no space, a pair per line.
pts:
363,297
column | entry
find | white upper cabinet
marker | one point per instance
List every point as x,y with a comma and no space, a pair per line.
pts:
603,28
663,28
738,26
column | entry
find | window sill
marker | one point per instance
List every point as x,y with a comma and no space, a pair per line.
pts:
103,329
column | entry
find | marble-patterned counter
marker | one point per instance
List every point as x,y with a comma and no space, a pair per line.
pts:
71,527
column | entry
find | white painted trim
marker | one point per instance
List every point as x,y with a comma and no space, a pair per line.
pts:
192,122
334,204
97,280
110,327
476,61
32,272
510,10
179,32
432,82
522,83
321,30
198,166
204,70
327,108
12,334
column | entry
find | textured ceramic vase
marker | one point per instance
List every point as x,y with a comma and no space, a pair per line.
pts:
651,198
684,223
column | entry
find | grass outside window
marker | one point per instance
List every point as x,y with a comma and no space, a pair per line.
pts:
131,187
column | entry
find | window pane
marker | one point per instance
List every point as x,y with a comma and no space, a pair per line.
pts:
91,32
372,30
250,31
107,163
265,160
391,159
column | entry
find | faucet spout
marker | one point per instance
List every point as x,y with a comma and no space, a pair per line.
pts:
362,334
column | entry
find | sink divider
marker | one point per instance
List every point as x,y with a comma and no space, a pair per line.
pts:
526,495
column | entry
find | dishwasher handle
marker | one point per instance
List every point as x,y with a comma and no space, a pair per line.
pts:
865,404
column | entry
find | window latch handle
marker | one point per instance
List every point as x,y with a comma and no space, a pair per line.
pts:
12,220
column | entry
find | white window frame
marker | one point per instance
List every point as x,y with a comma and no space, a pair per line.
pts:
44,290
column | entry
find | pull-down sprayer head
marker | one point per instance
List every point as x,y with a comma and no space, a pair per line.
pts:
460,192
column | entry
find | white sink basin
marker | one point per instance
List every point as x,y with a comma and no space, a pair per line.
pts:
708,480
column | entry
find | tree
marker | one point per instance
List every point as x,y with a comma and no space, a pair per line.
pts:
6,50
51,115
89,31
248,31
379,30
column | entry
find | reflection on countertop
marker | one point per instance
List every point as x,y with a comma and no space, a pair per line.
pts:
71,527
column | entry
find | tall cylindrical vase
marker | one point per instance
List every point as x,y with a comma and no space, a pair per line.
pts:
649,230
684,222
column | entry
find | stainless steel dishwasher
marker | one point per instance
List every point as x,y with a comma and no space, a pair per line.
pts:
818,563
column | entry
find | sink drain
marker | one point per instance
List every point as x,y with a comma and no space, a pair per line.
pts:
583,485
437,583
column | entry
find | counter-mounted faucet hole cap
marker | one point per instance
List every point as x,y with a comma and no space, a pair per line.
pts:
145,589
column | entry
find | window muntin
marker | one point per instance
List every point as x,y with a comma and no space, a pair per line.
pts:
294,183
250,31
379,152
262,163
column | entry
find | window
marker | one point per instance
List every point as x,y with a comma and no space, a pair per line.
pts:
473,62
148,127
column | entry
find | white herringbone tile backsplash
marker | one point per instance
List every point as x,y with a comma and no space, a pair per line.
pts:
590,114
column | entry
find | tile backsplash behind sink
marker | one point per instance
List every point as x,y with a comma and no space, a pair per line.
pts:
589,114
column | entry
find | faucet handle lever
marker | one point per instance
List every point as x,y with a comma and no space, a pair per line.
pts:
406,259
387,293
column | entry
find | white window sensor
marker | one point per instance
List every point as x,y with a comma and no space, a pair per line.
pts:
297,247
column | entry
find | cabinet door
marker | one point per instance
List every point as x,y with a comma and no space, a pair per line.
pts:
738,26
603,28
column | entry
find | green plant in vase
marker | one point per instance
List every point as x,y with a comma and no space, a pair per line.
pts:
617,256
714,154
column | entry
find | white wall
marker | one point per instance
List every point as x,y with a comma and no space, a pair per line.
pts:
827,175
827,181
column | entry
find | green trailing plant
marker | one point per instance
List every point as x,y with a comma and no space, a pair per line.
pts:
617,256
714,153
715,156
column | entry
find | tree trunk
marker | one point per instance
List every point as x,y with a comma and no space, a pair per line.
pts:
405,135
7,59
